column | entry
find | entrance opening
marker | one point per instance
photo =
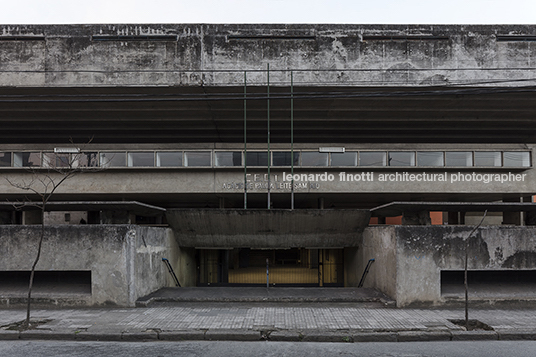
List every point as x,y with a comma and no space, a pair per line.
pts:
286,267
489,283
15,283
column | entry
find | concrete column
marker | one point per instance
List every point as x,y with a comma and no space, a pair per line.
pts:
351,267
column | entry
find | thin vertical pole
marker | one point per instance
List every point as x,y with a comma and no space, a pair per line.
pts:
268,127
245,144
292,139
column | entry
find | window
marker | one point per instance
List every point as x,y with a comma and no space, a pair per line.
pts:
141,159
487,158
113,159
56,160
282,158
311,158
26,159
197,158
430,158
372,158
254,158
401,158
86,159
169,159
348,158
516,158
5,159
228,158
459,158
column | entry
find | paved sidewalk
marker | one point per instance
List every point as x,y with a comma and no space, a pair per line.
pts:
335,322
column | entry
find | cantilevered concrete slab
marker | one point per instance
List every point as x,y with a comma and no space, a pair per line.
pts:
273,229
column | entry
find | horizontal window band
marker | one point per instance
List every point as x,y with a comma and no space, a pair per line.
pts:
134,38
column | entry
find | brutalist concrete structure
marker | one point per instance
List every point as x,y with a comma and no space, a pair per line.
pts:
270,144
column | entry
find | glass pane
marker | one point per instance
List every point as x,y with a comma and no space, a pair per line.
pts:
312,158
137,159
51,159
113,159
197,158
459,158
5,159
516,158
26,159
86,159
487,158
282,158
372,158
430,158
228,158
401,158
169,159
254,158
344,158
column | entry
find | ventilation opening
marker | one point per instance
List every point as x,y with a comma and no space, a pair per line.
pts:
490,283
22,38
404,38
269,37
515,38
46,283
134,38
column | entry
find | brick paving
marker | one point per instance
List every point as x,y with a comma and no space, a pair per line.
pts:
280,316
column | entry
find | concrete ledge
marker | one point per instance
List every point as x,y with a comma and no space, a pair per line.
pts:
46,335
283,335
9,335
326,336
474,335
186,335
374,337
232,335
98,336
139,336
411,336
517,334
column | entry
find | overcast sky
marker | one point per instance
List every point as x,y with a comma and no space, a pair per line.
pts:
269,11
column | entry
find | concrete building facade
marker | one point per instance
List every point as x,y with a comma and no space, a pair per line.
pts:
273,144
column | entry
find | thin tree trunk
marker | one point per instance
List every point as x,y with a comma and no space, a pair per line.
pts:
465,271
32,273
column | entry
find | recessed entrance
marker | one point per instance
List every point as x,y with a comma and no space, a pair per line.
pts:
285,267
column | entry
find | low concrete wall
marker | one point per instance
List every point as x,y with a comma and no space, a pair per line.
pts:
409,259
379,243
214,228
125,260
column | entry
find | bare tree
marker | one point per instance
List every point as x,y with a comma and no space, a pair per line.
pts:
41,184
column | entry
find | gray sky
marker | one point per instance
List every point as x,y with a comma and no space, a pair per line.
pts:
269,11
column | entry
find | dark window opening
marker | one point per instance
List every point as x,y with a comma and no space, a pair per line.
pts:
515,38
489,283
46,282
404,38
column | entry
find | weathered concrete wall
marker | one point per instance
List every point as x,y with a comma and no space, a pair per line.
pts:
267,228
370,55
379,243
421,253
125,261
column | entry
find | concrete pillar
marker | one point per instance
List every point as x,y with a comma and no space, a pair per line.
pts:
421,218
321,203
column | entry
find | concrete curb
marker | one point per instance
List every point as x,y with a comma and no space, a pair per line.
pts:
275,335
